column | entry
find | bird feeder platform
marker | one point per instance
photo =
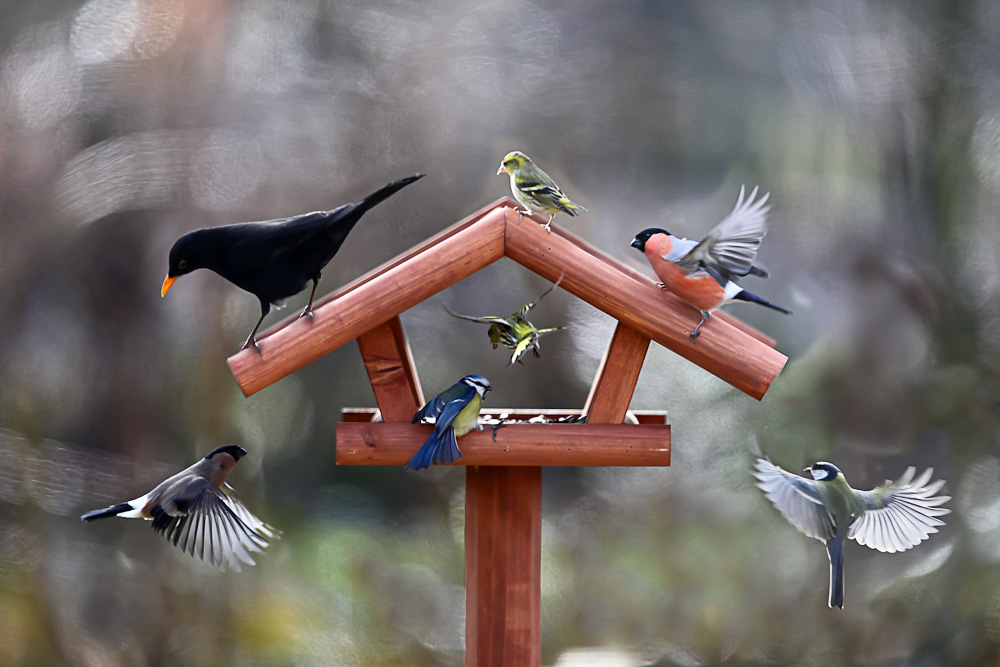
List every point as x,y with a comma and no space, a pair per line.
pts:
503,516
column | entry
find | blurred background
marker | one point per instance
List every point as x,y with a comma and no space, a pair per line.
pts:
126,123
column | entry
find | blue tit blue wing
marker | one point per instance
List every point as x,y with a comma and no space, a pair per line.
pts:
432,409
442,446
899,515
796,498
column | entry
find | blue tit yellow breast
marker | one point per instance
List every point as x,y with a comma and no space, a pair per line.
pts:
467,417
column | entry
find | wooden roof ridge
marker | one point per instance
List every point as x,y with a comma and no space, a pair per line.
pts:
728,348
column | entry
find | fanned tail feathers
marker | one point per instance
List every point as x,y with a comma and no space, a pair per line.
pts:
441,447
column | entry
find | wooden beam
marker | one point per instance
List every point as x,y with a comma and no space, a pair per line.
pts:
523,414
728,352
361,443
503,566
389,363
617,376
377,297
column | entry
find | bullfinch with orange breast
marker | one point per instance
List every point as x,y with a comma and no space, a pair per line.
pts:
703,273
199,512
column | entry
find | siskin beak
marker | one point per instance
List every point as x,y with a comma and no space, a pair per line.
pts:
501,170
167,283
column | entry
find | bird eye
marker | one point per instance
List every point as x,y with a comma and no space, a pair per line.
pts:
182,264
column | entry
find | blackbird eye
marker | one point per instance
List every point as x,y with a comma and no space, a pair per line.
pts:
182,264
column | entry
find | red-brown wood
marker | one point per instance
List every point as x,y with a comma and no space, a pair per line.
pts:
615,383
390,368
503,566
350,311
389,443
724,350
522,414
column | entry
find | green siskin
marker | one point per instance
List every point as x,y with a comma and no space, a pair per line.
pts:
534,190
514,332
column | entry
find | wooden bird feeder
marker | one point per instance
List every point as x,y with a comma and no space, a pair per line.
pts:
503,511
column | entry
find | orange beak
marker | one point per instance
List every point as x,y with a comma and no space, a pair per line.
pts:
167,283
501,170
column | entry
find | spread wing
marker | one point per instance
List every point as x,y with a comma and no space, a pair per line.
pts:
203,521
900,514
796,498
522,346
528,306
485,319
731,247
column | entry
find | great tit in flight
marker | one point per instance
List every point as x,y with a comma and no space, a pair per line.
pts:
274,259
703,273
515,332
535,190
455,412
893,517
198,511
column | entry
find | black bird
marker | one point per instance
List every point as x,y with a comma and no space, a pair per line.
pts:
273,259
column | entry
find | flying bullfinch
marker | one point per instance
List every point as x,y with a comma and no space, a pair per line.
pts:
198,511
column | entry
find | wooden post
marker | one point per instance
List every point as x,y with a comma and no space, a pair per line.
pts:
503,566
390,368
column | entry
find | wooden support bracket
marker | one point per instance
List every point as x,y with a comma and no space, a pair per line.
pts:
390,368
615,383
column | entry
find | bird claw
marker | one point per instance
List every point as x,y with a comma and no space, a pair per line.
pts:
693,336
499,425
661,285
253,341
307,312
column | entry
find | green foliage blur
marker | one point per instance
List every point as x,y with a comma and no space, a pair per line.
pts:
126,123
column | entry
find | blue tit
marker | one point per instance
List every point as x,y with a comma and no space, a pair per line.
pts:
534,189
893,517
456,412
515,333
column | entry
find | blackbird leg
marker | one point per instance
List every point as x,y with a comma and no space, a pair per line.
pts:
308,310
697,329
251,339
